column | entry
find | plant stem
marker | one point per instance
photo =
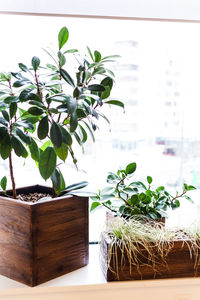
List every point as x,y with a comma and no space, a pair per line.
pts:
12,176
118,191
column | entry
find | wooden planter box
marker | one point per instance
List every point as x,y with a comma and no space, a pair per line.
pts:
42,240
179,262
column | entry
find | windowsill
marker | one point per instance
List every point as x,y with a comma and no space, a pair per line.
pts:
90,280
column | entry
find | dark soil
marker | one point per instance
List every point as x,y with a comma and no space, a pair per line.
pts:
34,197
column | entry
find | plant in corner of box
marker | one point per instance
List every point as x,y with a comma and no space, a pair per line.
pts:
135,245
43,111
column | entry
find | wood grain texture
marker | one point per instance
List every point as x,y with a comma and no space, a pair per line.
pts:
43,240
178,264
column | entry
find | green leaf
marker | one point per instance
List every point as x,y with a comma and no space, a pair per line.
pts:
56,135
107,81
3,122
11,99
96,88
3,132
90,53
134,200
46,144
188,198
47,162
97,56
19,83
25,123
5,115
175,204
12,109
130,168
71,51
56,180
65,75
24,137
111,56
90,130
3,183
94,205
36,111
73,122
62,152
149,179
35,63
63,37
6,146
34,150
43,128
71,105
84,134
66,136
18,147
76,186
106,93
115,102
62,59
23,67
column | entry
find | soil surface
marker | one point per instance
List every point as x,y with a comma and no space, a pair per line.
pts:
34,197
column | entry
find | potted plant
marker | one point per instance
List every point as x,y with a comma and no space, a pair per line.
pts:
136,244
43,111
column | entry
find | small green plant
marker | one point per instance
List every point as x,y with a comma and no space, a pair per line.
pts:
128,198
44,109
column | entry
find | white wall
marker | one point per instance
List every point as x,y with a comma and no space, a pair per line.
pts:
164,9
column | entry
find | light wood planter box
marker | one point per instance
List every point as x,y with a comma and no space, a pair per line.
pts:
42,240
178,263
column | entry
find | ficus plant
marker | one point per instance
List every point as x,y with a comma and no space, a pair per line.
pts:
44,109
127,198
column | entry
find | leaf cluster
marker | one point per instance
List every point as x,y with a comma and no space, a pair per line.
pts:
44,109
128,198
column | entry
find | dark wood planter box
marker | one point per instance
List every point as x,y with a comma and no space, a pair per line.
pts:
180,262
42,240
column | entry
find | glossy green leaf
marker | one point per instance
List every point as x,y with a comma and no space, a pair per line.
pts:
3,132
56,180
12,109
62,59
96,88
63,37
3,183
11,99
62,152
65,75
97,56
3,122
90,131
149,179
56,135
35,63
90,53
36,111
130,168
66,136
76,186
24,137
25,123
34,150
23,67
71,51
47,162
6,146
106,93
115,102
84,134
18,147
73,122
94,205
107,81
5,115
43,128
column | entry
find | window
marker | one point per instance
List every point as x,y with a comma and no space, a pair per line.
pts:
158,79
